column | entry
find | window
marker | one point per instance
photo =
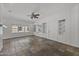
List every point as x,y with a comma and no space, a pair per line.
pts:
26,29
23,29
61,24
17,29
44,27
34,28
20,28
14,29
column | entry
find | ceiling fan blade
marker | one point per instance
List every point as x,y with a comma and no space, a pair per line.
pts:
37,14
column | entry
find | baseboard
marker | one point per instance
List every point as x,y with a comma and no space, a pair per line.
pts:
18,37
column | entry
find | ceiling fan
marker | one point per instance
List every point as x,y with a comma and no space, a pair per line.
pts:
34,15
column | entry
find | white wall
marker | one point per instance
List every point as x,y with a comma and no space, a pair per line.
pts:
54,12
75,26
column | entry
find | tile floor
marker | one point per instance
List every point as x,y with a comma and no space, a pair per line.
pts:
36,46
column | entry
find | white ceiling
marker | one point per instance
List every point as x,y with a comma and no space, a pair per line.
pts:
21,10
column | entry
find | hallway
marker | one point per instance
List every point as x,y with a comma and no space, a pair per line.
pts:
33,45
